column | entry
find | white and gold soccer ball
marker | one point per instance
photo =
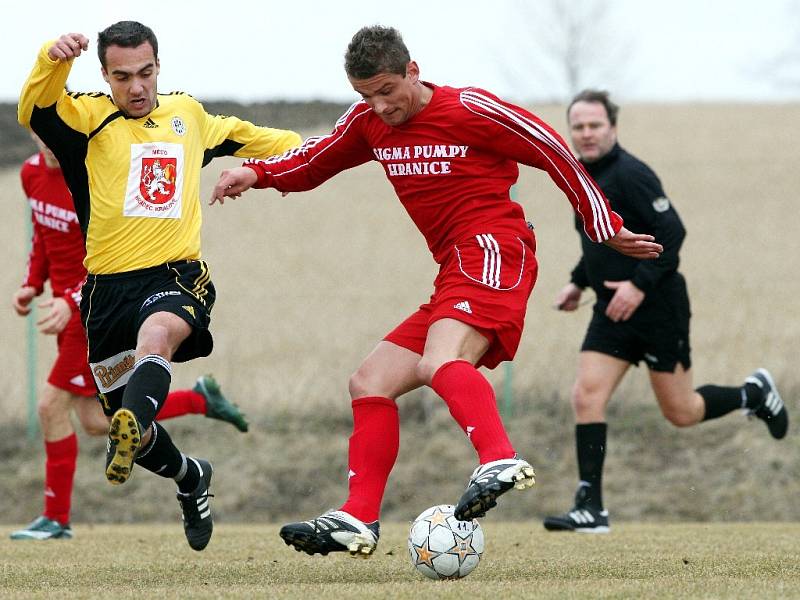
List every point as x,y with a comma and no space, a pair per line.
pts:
441,546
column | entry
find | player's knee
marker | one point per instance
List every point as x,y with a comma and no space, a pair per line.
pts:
95,429
161,334
385,383
95,426
44,409
50,409
360,384
585,400
155,341
426,368
678,417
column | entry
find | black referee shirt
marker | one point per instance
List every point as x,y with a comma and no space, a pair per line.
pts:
635,193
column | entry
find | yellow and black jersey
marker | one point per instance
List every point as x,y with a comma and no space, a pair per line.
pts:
135,182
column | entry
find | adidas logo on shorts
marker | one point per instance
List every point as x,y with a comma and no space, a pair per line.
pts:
464,305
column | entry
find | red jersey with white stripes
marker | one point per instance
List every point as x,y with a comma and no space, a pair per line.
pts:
57,250
452,165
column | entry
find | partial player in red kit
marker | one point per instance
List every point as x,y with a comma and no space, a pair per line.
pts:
451,155
57,255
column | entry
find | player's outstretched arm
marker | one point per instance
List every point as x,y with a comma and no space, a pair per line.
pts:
232,183
637,245
68,46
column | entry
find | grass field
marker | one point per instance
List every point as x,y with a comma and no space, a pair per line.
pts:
521,560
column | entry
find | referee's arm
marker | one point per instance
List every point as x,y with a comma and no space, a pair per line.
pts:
646,196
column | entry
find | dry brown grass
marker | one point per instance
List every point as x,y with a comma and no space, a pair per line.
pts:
307,284
736,561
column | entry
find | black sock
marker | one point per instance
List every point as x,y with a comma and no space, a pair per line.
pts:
590,441
161,457
147,388
720,400
753,395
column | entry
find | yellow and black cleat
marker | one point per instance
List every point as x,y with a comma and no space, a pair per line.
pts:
124,440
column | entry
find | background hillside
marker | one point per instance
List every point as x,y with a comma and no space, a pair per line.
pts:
308,284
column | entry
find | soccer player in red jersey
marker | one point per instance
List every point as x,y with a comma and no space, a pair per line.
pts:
451,155
57,255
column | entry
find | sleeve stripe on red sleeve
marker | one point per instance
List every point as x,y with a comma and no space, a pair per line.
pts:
535,134
343,119
35,269
342,125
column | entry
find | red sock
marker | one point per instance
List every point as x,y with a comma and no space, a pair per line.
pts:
373,450
59,470
182,402
471,401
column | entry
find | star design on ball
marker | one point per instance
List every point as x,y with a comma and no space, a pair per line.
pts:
438,518
425,555
462,548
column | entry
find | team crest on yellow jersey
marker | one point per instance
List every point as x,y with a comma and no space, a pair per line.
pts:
155,181
157,185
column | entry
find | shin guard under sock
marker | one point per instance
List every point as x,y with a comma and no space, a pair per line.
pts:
147,388
472,403
590,443
61,457
373,449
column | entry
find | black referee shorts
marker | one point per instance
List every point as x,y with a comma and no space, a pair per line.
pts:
113,308
658,332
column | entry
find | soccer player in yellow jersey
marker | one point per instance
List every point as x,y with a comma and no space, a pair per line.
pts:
132,162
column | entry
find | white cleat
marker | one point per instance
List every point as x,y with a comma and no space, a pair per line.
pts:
335,531
490,481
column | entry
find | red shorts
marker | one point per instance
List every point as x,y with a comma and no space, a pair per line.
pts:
71,370
485,282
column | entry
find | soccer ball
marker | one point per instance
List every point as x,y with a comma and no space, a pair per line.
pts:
441,546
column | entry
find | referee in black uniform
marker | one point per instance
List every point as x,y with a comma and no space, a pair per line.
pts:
641,314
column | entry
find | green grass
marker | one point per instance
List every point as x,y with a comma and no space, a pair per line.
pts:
521,560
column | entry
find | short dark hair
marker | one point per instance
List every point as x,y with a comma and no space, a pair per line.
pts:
601,97
127,34
374,50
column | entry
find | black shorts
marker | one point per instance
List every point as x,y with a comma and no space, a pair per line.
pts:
658,332
113,308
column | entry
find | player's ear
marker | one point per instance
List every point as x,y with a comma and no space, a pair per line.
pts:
412,71
105,74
